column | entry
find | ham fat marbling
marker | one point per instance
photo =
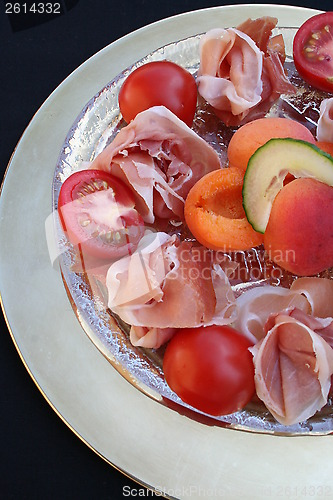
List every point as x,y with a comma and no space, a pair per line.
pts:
160,158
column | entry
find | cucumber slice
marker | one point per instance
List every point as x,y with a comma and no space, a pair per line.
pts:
268,167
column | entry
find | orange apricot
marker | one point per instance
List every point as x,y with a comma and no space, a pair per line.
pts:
325,146
299,234
248,138
214,212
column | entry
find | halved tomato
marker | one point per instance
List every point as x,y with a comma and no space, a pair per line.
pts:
97,212
313,51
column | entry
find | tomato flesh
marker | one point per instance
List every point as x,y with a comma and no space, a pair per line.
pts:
210,368
313,51
97,212
159,83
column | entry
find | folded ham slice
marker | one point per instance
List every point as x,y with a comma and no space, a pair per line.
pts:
241,70
325,122
293,369
259,30
311,295
322,326
150,338
319,293
230,71
256,305
160,159
169,284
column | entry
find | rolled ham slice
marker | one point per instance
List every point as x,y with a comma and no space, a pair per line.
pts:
169,284
319,293
259,30
241,70
311,295
293,369
159,158
325,122
230,71
322,326
256,305
150,338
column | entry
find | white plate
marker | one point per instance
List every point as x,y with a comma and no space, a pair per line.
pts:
172,453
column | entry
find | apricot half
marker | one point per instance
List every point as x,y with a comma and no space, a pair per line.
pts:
252,135
215,215
299,233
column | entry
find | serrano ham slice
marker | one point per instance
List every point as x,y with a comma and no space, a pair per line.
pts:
259,30
150,338
256,305
293,369
322,326
325,122
311,295
230,71
319,293
241,70
160,159
169,284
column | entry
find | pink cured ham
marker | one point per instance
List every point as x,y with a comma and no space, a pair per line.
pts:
169,284
311,295
256,305
293,369
322,326
247,61
319,293
276,76
275,81
160,158
325,122
259,30
150,338
230,71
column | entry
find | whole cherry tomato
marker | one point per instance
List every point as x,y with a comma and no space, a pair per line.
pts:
159,83
210,368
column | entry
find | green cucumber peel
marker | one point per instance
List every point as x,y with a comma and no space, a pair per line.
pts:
267,169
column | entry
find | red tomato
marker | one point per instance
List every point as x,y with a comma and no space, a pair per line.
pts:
210,368
159,83
313,51
97,212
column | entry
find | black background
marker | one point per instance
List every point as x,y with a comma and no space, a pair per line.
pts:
40,458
